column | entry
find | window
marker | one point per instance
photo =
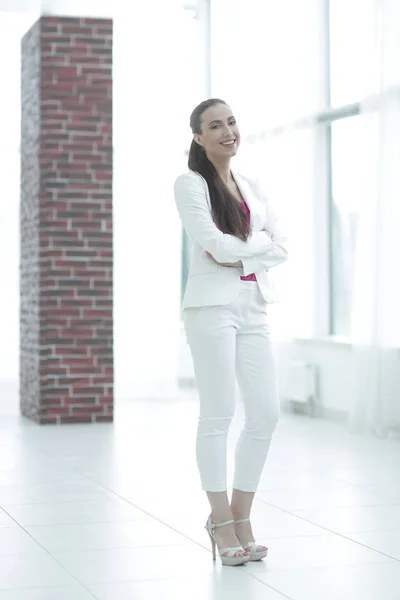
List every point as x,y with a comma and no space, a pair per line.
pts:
266,63
295,74
265,59
352,50
353,76
349,148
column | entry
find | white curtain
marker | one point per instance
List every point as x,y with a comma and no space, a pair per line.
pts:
376,301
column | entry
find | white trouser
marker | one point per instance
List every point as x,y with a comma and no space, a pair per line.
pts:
229,342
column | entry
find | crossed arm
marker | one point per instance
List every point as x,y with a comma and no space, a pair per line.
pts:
261,250
238,264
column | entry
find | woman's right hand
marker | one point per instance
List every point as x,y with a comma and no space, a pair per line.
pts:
236,265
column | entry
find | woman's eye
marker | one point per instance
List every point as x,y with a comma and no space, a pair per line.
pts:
233,122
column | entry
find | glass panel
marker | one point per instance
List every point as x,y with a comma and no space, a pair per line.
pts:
353,46
349,151
265,59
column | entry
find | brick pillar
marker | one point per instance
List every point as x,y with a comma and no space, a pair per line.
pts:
66,269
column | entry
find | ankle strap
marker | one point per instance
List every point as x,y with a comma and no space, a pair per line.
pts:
243,520
222,524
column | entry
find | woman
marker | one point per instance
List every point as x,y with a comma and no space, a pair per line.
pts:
235,242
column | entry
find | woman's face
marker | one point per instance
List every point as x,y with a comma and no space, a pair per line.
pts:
220,134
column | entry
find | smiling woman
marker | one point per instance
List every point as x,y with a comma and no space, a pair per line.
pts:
216,138
235,242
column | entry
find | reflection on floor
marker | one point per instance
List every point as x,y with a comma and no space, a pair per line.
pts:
114,512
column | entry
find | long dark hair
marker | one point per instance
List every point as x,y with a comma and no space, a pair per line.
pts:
226,211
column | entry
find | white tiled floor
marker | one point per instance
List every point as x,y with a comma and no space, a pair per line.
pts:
115,512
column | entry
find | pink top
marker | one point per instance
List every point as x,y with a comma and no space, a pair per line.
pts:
246,211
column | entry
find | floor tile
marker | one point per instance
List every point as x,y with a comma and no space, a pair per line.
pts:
14,540
106,536
317,551
39,570
356,582
6,520
138,564
59,593
26,464
361,518
387,542
390,489
224,584
26,475
272,522
73,512
63,491
183,506
368,475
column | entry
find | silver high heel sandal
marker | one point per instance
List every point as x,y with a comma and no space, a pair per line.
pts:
252,546
227,555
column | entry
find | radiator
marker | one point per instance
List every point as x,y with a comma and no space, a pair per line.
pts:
301,385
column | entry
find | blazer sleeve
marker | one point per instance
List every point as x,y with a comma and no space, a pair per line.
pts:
195,214
266,260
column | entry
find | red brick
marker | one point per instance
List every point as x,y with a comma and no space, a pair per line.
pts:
76,30
76,381
81,370
57,410
51,403
76,419
91,60
86,410
47,420
107,399
103,419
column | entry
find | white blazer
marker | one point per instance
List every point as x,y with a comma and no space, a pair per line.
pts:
210,284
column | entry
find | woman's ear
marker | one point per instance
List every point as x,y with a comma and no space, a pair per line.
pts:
197,139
